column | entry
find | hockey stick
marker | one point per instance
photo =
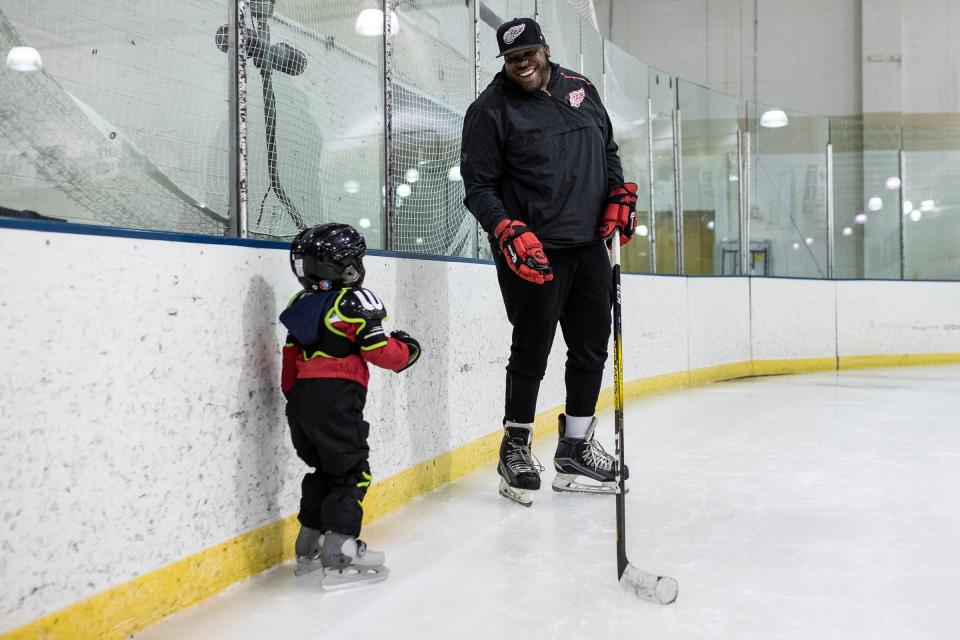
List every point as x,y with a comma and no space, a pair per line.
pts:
658,589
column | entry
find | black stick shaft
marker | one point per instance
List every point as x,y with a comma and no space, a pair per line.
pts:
618,406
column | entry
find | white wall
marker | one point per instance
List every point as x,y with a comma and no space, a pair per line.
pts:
139,402
792,319
141,420
897,318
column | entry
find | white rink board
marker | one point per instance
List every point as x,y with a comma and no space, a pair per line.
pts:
141,414
654,326
139,402
719,319
876,317
792,319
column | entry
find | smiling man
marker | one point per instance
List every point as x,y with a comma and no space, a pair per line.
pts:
542,176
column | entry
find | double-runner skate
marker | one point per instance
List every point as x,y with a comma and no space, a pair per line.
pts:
344,560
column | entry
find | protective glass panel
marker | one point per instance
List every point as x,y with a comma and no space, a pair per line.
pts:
433,84
625,80
493,13
116,114
711,181
315,116
591,52
560,23
931,204
663,102
866,199
788,203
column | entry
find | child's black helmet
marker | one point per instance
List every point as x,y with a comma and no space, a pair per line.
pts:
328,256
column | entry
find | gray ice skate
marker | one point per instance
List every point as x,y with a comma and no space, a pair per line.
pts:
582,465
307,549
347,562
519,473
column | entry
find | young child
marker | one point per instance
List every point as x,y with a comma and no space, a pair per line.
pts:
335,328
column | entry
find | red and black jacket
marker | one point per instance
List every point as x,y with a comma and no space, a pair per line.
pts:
334,334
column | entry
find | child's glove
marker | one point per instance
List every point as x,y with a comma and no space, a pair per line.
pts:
412,345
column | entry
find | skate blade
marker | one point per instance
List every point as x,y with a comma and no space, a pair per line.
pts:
568,483
352,576
520,496
305,566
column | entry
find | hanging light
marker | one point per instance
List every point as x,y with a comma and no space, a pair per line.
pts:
774,119
24,59
364,222
643,231
370,23
875,204
892,183
847,231
453,175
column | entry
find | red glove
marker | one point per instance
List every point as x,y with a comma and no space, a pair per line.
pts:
621,211
523,251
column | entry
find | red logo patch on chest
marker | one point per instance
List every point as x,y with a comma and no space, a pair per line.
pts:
576,97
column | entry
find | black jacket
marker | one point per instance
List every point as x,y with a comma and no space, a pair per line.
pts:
548,159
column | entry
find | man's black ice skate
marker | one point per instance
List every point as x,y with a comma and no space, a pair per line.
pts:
518,471
582,465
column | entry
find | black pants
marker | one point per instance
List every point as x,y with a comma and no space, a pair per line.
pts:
329,433
580,298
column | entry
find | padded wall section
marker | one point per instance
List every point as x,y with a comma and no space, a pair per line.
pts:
875,317
654,326
719,321
792,319
141,416
141,419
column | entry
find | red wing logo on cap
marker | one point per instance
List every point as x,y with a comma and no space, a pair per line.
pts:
576,97
512,33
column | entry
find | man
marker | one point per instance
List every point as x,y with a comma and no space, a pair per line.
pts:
543,178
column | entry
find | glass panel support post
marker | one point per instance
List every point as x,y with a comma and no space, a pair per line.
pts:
678,187
389,190
745,166
902,157
653,179
830,214
481,236
237,94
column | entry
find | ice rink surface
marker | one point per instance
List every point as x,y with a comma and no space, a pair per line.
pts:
817,507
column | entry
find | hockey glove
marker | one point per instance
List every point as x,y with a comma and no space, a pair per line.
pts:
523,252
621,211
412,345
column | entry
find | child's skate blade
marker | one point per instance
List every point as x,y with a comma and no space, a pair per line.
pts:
520,496
352,576
572,483
305,566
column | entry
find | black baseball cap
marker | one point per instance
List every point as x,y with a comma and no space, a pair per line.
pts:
518,34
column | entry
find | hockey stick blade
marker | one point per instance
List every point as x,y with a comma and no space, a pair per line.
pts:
646,586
